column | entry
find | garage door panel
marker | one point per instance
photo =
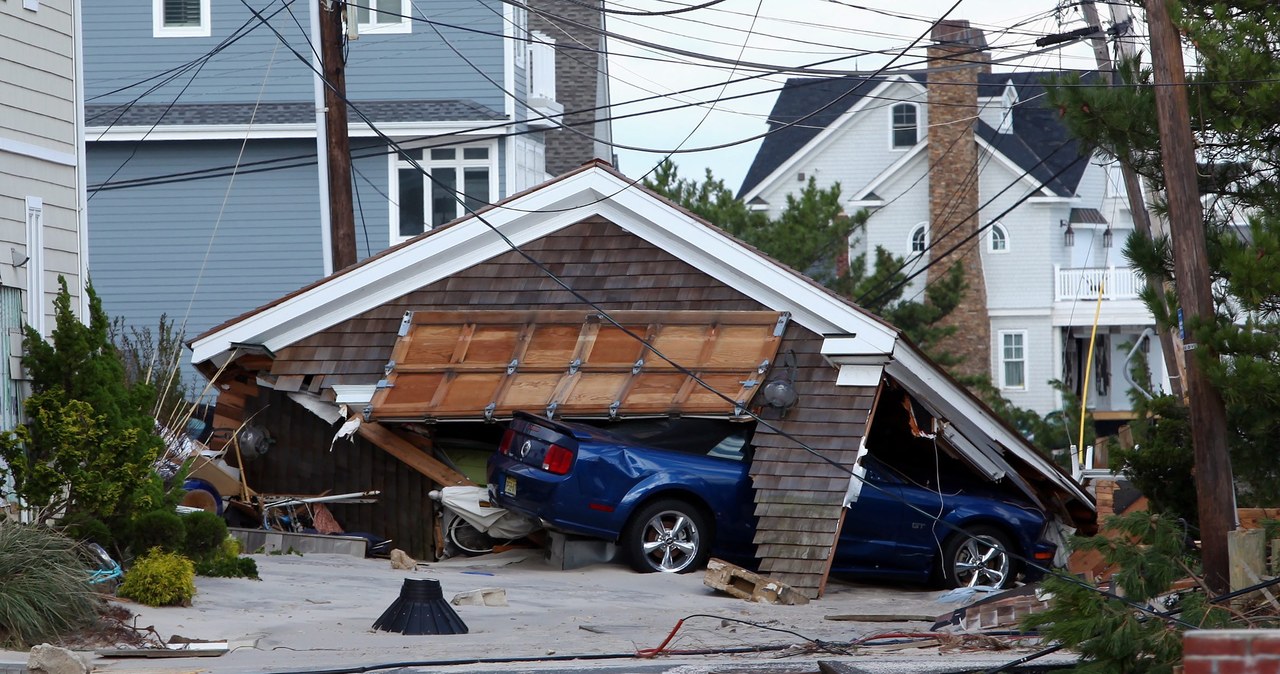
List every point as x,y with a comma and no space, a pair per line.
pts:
488,364
551,346
432,345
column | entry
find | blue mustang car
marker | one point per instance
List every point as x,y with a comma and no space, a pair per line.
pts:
673,492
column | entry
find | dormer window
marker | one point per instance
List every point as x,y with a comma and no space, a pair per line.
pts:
905,130
1008,100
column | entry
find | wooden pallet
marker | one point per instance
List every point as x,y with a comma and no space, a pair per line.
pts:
744,584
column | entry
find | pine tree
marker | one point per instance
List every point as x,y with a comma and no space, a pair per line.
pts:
90,441
1234,91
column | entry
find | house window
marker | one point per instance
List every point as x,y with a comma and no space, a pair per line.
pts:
1013,359
920,239
384,16
180,18
10,353
520,31
458,175
999,239
35,264
904,125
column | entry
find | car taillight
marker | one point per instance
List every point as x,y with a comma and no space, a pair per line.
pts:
557,460
504,447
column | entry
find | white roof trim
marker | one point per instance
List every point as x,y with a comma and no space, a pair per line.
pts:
1009,164
832,128
533,215
890,172
108,134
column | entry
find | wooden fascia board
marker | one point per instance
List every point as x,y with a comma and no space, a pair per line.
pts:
409,454
819,140
963,410
889,173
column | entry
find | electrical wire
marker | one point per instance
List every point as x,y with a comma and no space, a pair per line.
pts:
604,314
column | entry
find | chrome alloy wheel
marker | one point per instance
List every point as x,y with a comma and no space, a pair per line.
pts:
671,541
981,561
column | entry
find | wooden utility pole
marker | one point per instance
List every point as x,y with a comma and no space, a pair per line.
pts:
1214,489
1169,343
342,223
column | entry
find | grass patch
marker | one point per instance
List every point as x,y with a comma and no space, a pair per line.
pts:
44,585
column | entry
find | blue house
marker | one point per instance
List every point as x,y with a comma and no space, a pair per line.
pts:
201,135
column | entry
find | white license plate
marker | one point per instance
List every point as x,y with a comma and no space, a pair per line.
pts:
509,486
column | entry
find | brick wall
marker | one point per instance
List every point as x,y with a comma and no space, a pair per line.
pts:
578,71
953,183
1231,652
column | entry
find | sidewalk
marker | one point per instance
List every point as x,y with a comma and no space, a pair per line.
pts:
316,612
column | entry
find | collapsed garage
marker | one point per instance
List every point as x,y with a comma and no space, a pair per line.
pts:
592,298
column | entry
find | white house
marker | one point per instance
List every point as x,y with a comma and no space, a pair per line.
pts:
923,152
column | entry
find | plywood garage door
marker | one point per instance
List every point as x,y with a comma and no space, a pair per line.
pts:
473,365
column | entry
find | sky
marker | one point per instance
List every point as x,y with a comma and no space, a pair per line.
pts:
788,33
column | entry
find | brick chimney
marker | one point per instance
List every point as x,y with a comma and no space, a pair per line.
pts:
957,55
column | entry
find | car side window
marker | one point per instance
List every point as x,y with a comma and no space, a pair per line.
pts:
732,447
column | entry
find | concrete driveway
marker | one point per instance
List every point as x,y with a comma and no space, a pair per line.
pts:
315,612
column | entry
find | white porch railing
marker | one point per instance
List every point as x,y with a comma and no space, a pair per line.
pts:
1083,283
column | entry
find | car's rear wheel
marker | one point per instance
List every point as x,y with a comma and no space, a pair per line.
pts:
978,557
670,536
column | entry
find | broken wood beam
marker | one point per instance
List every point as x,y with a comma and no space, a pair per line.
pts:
392,443
744,584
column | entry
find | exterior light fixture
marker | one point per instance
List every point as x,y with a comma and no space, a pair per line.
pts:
1107,237
1068,236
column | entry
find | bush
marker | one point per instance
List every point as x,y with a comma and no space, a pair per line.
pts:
205,532
88,529
226,562
157,529
160,578
228,567
44,585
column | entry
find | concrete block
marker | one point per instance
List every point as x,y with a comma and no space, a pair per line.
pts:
49,659
572,552
485,596
255,540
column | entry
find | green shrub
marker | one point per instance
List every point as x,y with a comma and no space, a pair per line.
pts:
226,562
160,578
228,567
157,529
205,532
44,585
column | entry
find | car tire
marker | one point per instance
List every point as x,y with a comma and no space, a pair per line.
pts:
668,536
978,556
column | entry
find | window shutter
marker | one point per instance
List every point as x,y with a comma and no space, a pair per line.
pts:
181,12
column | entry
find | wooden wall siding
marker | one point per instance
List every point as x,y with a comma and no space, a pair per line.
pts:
617,270
299,462
799,495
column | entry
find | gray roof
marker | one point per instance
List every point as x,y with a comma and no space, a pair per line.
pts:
1039,143
282,113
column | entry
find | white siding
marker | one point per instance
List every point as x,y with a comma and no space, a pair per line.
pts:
854,154
907,205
